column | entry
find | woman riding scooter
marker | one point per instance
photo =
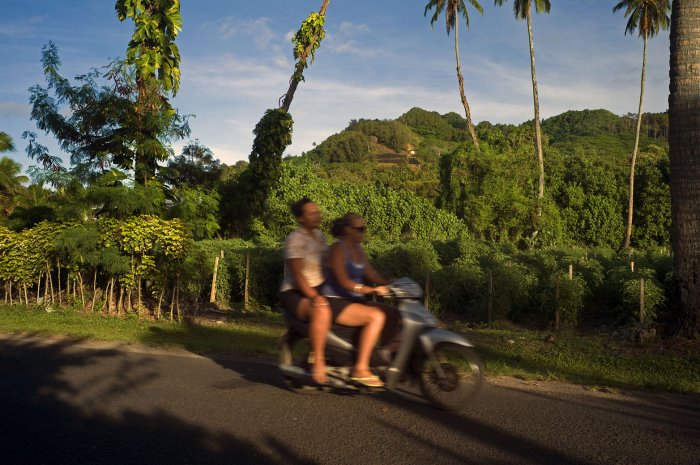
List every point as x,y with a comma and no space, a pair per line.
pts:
347,273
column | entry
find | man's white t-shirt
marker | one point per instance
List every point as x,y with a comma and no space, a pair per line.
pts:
312,247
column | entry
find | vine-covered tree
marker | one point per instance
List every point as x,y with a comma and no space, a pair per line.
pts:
453,8
273,133
649,17
684,143
523,10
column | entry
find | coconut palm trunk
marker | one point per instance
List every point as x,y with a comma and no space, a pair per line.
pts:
538,129
684,144
630,205
299,68
460,80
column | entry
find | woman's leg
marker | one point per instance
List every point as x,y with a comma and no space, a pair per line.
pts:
372,321
392,325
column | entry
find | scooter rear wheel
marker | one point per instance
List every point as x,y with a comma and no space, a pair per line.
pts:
462,376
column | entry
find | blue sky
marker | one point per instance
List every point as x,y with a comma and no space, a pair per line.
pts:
380,58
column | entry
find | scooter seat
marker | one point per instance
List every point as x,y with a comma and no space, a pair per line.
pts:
347,333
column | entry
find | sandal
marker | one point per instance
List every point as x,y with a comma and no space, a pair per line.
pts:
368,381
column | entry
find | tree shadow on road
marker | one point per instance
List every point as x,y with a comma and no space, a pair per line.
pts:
40,425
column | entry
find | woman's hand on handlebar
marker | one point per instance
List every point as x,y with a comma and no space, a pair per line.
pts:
381,290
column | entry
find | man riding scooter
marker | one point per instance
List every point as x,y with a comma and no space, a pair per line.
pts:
305,250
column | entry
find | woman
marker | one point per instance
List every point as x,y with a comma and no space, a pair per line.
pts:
304,252
348,273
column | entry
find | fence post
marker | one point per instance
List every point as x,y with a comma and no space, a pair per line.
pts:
426,299
212,294
490,308
245,288
641,300
632,266
571,272
556,303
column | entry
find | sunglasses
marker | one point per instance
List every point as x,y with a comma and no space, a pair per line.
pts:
359,228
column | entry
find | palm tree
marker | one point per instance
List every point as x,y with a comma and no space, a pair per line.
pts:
10,184
649,17
684,145
522,10
452,9
6,144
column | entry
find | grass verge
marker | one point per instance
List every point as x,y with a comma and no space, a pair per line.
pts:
598,361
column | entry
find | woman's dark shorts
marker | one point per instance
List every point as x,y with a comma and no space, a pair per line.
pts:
291,299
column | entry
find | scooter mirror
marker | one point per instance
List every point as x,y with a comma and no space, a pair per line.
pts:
406,288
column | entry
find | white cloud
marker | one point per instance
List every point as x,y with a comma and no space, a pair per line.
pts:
14,109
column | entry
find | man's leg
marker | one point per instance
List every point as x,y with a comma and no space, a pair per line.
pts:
319,318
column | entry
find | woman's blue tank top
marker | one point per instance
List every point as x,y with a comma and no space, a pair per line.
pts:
355,271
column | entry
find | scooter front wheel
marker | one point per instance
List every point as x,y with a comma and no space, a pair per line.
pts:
455,380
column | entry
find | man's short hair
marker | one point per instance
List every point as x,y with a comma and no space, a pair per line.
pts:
298,207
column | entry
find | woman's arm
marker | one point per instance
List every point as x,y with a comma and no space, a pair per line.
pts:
336,260
371,274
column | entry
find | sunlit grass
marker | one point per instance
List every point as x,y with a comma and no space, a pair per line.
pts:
245,336
590,360
600,360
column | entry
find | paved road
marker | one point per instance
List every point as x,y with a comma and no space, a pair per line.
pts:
77,402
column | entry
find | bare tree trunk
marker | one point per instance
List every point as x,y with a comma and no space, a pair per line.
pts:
172,303
104,306
538,130
460,80
50,283
60,298
177,298
299,68
630,204
120,302
94,291
82,288
110,308
160,299
684,145
138,297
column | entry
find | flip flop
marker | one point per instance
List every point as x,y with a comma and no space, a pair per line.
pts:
368,381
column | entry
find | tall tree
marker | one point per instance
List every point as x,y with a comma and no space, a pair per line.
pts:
684,145
6,143
96,124
523,10
648,17
154,54
453,8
